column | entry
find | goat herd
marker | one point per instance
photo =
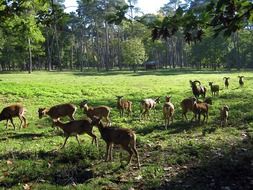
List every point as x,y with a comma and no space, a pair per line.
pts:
115,135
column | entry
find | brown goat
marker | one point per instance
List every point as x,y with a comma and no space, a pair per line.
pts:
224,115
119,136
58,111
15,110
99,111
200,109
226,81
168,111
147,105
241,82
76,127
123,105
187,105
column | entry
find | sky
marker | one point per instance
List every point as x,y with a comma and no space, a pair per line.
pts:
146,6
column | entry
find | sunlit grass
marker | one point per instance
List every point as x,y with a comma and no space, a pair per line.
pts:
34,151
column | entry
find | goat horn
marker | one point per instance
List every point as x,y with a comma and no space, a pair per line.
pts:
197,81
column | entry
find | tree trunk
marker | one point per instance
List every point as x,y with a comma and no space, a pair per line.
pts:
30,56
49,57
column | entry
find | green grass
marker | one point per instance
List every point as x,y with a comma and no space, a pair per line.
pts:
184,156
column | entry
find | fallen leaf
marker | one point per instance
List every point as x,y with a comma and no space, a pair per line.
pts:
138,178
9,162
73,184
6,173
27,187
167,168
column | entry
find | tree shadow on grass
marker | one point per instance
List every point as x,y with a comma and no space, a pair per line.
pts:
230,170
61,167
174,128
148,129
27,136
162,72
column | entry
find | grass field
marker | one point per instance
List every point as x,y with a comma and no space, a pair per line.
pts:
186,156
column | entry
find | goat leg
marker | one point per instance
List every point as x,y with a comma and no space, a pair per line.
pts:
78,140
21,121
12,123
129,150
107,152
111,148
137,156
24,119
7,122
65,142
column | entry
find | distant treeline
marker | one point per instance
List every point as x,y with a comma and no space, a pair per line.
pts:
39,35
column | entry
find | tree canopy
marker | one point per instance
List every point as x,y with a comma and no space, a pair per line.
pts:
109,34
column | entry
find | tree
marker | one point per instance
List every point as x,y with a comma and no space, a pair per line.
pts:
227,16
133,53
22,33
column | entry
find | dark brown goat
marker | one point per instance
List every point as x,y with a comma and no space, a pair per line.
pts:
241,82
198,90
214,88
76,127
226,81
15,110
119,136
58,111
123,105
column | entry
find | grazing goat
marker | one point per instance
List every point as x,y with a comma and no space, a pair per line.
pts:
76,127
99,111
200,109
226,81
123,105
58,111
15,110
214,89
241,82
198,90
224,115
168,111
148,104
119,136
187,105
